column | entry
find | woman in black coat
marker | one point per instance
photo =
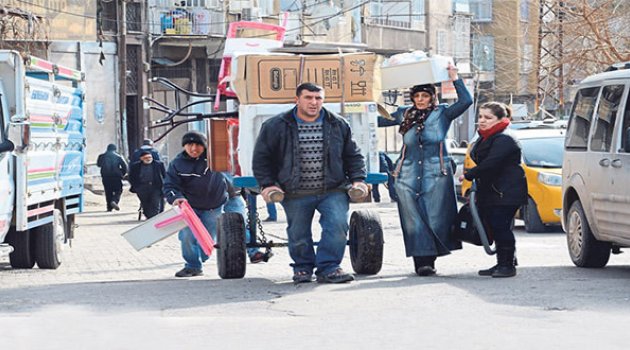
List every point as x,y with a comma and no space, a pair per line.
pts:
502,186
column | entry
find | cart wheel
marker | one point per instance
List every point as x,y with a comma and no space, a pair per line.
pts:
231,241
366,242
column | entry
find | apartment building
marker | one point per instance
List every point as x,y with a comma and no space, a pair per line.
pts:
504,48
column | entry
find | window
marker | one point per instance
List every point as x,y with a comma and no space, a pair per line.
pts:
106,16
606,116
580,122
524,10
461,6
462,38
483,52
397,13
481,10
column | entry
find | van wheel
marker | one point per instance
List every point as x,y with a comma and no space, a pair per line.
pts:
532,220
22,256
585,250
231,251
49,240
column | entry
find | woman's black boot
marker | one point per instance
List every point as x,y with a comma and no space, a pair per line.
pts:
425,265
505,263
490,271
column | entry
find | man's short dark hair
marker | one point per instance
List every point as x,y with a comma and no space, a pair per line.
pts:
309,87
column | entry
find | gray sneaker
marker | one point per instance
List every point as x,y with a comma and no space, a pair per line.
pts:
337,276
188,272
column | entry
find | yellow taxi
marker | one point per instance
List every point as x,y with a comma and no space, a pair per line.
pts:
542,150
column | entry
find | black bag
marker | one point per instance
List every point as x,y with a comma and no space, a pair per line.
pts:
464,227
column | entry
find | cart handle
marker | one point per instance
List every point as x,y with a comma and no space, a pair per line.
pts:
477,220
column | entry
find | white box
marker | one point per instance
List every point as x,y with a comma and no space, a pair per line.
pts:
405,75
147,234
362,117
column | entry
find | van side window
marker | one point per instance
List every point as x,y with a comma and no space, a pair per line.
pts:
606,115
625,129
2,129
580,122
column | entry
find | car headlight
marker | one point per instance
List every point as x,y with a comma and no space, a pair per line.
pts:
550,179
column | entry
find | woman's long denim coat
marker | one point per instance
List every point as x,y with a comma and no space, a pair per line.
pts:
426,193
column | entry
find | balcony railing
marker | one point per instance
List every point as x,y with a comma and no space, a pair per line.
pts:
193,17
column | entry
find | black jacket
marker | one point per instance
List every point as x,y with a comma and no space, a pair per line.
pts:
191,179
112,165
276,158
500,176
158,171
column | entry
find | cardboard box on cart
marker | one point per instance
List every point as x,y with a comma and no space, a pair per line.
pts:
272,78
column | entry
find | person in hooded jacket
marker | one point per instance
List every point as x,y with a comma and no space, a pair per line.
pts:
113,169
188,178
501,182
146,177
424,178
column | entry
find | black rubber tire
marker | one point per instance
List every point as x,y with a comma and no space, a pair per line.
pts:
47,248
22,256
585,250
366,242
533,223
231,254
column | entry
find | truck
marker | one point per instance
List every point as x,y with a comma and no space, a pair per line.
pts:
42,158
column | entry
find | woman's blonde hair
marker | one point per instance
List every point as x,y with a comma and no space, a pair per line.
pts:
501,110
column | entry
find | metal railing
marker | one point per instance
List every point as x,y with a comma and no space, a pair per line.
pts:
191,17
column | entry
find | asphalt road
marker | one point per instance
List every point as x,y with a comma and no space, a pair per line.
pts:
108,296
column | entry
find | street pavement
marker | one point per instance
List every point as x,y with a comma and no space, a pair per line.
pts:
106,295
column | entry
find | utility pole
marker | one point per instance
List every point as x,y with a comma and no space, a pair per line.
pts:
550,72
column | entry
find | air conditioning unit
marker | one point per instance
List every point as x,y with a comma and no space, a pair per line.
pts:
250,14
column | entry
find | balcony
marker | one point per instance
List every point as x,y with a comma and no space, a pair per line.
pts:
190,18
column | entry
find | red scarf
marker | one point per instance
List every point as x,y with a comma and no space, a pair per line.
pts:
496,128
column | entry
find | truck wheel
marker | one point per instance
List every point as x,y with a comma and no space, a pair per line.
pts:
22,256
532,220
366,242
231,251
49,240
585,250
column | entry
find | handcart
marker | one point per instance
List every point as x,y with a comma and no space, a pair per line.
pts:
365,233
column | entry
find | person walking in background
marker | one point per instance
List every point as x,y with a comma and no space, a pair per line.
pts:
501,182
386,167
113,169
147,145
272,212
189,179
308,154
146,177
424,178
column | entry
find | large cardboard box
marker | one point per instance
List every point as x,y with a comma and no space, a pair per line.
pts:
266,79
429,71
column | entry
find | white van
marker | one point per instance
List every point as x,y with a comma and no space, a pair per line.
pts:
596,169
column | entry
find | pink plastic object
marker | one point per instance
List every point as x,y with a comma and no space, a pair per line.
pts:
204,239
233,33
